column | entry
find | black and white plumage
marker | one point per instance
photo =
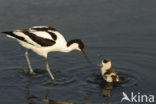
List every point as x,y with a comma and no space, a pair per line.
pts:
42,40
107,72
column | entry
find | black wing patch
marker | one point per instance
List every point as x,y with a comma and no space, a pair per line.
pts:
39,40
46,29
15,36
53,35
43,28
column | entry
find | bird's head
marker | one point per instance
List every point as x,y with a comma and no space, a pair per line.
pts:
77,44
106,63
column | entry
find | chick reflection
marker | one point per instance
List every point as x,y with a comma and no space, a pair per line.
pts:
106,88
32,99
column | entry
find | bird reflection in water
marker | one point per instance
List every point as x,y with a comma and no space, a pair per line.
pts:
106,88
29,97
32,99
46,100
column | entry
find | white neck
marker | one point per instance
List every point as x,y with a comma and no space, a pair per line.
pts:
103,70
105,67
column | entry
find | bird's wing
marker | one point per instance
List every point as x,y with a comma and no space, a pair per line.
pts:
33,38
44,31
43,28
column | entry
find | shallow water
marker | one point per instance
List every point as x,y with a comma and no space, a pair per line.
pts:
122,30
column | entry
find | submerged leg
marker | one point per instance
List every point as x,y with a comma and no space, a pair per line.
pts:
29,65
48,69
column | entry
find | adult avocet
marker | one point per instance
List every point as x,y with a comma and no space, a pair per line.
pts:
42,40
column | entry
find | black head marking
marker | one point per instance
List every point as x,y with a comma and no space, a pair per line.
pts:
106,60
78,41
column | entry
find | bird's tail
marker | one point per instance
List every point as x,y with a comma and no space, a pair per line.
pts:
11,34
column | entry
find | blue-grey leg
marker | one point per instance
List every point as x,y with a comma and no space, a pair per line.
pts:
48,69
29,64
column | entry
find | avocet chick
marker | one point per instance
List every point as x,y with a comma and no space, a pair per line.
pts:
107,72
